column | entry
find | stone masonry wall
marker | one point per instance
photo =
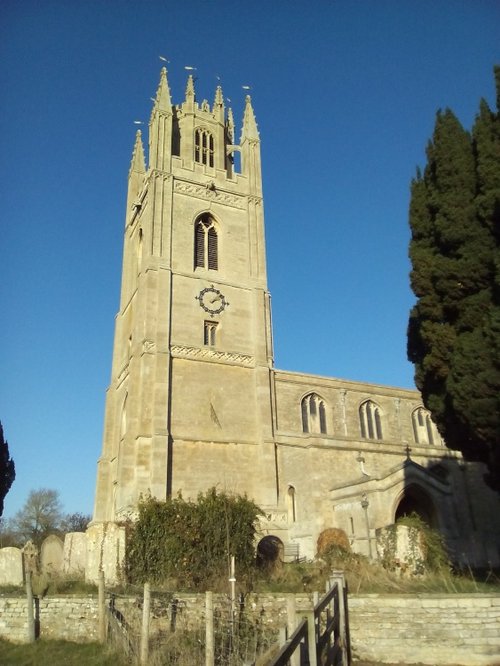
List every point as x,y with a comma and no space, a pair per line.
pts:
435,629
62,617
430,629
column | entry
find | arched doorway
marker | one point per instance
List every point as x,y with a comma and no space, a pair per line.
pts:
416,500
270,551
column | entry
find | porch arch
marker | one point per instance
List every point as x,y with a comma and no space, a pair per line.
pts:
270,551
414,499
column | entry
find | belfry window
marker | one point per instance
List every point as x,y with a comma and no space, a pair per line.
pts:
206,246
369,420
313,414
422,426
209,333
203,147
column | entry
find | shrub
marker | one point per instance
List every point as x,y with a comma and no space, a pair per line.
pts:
188,544
332,538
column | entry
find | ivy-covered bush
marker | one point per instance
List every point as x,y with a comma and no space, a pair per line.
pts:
188,544
425,552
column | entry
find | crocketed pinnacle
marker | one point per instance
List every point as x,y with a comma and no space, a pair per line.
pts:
163,99
138,162
219,99
190,88
230,123
249,130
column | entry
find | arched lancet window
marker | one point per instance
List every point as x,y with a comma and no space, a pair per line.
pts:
203,147
292,504
206,245
370,421
422,426
313,414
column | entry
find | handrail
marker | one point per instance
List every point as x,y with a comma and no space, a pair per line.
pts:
283,656
325,641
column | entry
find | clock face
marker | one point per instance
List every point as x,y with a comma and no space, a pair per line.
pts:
212,300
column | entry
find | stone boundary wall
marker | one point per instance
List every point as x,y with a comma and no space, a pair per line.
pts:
72,618
434,629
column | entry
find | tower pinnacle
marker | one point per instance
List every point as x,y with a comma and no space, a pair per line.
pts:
163,100
249,129
219,98
138,162
190,88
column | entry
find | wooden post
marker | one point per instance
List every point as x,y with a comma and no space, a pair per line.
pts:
29,606
337,578
311,638
209,630
101,602
232,582
291,624
145,624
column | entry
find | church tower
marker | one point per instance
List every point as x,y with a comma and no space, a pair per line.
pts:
195,402
190,399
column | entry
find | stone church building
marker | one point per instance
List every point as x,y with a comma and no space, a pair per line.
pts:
195,400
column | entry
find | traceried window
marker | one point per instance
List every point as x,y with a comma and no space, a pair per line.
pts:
422,426
313,414
370,421
206,246
203,147
209,333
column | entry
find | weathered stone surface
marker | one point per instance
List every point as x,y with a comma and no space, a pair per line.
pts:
30,557
51,555
11,566
105,551
75,553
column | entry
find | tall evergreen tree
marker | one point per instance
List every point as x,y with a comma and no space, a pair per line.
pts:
7,469
454,327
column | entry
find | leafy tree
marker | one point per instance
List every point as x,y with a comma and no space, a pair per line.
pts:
8,535
40,516
7,469
75,522
454,327
189,544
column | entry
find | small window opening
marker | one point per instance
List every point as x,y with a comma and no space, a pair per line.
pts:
292,507
206,244
204,147
209,333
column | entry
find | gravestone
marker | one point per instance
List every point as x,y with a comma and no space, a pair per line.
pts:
30,555
11,566
51,555
75,553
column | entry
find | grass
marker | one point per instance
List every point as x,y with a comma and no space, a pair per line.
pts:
57,653
365,577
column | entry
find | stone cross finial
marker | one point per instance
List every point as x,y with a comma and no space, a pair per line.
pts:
30,555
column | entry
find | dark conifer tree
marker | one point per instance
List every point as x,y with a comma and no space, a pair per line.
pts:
7,469
454,328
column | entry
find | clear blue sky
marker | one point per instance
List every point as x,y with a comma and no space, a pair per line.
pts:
345,95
